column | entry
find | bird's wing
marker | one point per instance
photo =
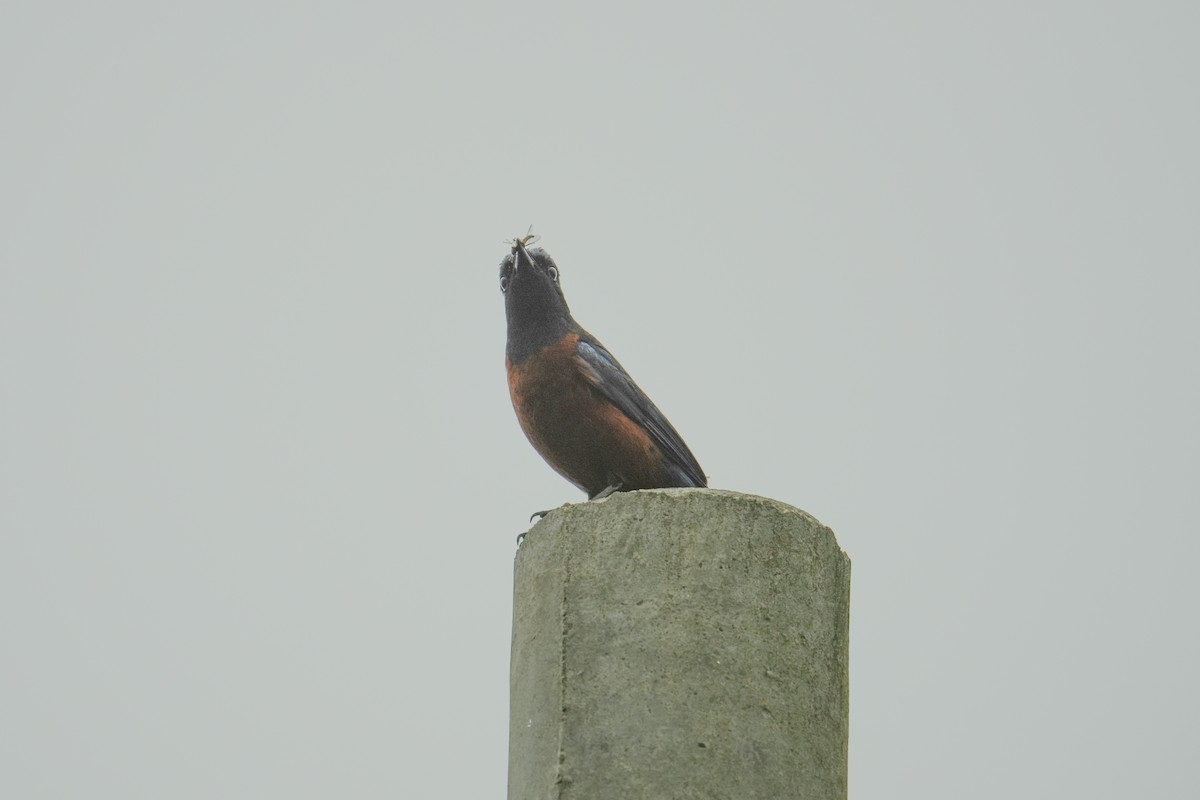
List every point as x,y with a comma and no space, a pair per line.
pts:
603,372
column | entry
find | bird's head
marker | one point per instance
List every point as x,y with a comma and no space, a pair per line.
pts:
529,282
534,304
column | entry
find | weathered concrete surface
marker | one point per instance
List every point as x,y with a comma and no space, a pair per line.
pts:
679,643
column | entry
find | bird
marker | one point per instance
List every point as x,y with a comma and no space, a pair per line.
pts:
577,405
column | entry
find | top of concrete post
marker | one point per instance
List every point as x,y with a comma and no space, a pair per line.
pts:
679,643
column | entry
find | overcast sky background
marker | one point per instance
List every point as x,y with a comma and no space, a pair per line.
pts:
928,271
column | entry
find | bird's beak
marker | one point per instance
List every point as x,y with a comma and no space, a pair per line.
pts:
518,251
518,247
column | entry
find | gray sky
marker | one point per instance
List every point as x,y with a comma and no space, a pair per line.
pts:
928,272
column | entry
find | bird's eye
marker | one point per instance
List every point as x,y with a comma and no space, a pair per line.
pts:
553,273
503,284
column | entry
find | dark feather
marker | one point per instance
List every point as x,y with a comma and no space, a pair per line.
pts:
603,372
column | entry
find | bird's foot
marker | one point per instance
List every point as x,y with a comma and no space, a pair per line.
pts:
605,492
532,517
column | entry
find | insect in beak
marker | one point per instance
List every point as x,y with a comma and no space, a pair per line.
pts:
519,244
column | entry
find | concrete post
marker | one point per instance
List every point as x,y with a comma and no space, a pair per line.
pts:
679,643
